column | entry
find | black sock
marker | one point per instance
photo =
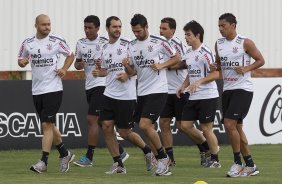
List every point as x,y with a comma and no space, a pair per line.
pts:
44,157
214,157
161,153
249,161
169,152
90,152
118,160
121,150
62,150
146,149
206,146
201,148
237,158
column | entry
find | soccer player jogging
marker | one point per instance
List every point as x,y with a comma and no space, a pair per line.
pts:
120,97
146,59
233,58
41,51
88,51
175,77
203,92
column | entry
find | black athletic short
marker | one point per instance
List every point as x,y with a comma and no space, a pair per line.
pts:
236,104
95,99
174,106
121,111
47,105
203,110
150,106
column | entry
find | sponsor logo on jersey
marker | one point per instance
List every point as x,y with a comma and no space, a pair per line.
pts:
197,58
49,47
119,51
167,48
235,50
150,48
98,47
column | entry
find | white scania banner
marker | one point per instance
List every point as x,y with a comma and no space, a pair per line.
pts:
263,123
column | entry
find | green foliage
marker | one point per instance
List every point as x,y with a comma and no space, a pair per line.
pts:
14,168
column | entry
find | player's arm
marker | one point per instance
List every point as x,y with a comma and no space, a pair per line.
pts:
251,49
129,69
99,72
172,61
179,66
216,66
182,88
68,62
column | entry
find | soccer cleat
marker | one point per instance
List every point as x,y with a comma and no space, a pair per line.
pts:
116,169
65,162
162,166
213,164
205,157
83,162
150,161
235,170
249,171
39,167
124,156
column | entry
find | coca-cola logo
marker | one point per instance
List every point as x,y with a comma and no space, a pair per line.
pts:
270,121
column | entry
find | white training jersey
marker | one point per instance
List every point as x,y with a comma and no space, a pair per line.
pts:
198,62
44,55
232,54
112,57
145,53
89,51
175,78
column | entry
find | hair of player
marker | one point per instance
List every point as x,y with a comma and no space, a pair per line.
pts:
229,17
108,21
92,19
195,28
139,19
171,22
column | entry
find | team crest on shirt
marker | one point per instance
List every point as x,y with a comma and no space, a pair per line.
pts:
49,47
110,55
98,48
150,48
235,50
140,52
197,58
119,51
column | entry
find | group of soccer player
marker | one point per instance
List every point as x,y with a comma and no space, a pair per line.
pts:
142,80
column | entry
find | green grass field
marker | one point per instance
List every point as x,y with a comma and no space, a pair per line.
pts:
14,168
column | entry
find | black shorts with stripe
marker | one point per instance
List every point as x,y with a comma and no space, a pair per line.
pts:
236,104
203,110
47,105
121,111
95,98
174,106
150,106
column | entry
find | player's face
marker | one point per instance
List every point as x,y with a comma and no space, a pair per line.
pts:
166,31
141,33
43,25
114,30
225,28
190,38
90,30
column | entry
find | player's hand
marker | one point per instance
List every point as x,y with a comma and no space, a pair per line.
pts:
96,72
61,72
179,91
156,66
23,62
240,70
122,77
125,62
193,87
